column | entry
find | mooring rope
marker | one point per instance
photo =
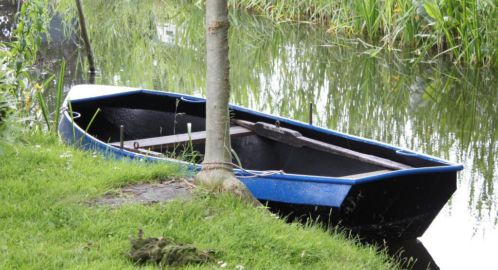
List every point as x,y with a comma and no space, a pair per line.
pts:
253,174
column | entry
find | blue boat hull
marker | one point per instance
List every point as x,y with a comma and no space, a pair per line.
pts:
395,204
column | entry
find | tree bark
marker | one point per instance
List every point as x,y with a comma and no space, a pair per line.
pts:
217,174
84,36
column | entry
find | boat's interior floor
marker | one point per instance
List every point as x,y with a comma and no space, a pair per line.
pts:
166,133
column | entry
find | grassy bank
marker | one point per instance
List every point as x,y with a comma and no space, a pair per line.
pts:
464,31
46,222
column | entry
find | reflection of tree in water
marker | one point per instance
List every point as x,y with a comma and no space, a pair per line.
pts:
434,108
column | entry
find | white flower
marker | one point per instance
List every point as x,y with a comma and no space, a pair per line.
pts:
274,215
65,155
222,264
239,267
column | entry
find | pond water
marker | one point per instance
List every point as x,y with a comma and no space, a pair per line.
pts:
428,106
6,19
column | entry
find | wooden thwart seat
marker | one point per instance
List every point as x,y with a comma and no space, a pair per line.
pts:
163,142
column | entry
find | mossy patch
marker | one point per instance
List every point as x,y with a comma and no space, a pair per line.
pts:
166,252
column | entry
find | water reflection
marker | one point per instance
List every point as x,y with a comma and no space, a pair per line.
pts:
434,108
6,19
411,254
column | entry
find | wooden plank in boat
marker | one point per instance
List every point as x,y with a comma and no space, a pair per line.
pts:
334,149
363,175
172,140
296,139
145,152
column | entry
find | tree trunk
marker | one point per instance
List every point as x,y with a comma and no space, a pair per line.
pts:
217,174
84,36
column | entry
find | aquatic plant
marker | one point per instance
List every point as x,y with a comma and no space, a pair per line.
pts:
7,107
22,92
464,31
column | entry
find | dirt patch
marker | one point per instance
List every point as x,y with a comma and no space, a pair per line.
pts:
149,193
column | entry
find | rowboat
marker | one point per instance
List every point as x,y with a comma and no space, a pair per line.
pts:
300,171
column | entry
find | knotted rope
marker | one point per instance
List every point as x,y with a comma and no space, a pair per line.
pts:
229,166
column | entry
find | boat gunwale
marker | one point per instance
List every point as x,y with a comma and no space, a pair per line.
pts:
255,174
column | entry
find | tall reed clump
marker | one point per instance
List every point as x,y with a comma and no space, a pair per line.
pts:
465,31
20,92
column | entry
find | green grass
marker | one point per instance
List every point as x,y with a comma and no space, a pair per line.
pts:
46,221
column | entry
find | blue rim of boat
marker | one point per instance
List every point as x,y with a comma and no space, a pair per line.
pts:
449,167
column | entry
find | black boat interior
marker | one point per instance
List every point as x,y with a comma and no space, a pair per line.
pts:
156,124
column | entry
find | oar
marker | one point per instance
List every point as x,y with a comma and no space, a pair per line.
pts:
296,139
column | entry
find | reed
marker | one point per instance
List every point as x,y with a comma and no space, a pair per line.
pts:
464,31
59,93
43,105
20,89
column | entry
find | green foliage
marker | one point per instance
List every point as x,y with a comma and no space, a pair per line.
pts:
7,100
21,94
7,107
58,96
465,31
21,55
48,221
368,18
